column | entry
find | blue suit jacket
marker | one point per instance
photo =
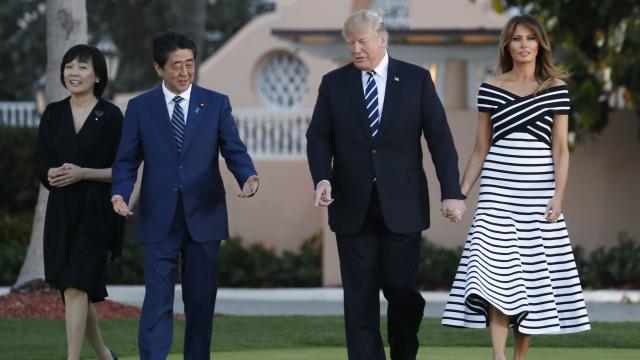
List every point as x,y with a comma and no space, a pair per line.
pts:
147,135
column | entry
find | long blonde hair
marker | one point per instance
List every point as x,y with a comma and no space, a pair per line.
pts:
545,71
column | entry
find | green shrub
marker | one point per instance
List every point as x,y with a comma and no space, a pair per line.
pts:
252,266
614,267
259,266
305,266
129,267
18,195
15,231
18,183
438,266
262,267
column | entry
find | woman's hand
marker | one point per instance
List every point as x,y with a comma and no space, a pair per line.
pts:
554,210
65,175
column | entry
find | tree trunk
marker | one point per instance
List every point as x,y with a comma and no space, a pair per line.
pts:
66,26
32,271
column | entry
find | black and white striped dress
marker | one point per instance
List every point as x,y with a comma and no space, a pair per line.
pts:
513,258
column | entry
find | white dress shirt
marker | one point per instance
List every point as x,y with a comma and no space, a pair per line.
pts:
184,104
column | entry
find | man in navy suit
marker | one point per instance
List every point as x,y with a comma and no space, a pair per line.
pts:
365,158
178,129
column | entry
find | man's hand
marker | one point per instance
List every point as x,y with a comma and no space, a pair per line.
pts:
120,206
323,194
250,187
65,175
453,209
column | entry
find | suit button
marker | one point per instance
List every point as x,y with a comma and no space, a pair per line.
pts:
374,151
180,167
180,187
374,179
175,189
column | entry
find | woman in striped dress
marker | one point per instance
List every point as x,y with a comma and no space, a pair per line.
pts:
517,269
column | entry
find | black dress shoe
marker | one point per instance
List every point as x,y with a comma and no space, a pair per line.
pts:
114,355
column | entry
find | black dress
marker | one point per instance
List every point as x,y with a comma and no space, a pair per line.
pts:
80,224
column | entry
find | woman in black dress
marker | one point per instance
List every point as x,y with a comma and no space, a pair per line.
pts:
77,143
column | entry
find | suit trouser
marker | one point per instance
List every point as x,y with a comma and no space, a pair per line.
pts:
199,286
377,258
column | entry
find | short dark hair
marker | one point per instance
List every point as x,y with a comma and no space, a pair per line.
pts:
84,52
168,42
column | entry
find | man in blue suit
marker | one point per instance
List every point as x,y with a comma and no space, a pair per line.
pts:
178,129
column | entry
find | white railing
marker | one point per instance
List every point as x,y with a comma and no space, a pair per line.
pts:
19,114
276,135
268,134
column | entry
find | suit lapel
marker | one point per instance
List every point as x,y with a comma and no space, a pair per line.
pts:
193,117
392,91
357,99
160,116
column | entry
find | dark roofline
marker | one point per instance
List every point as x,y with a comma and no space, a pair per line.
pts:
414,36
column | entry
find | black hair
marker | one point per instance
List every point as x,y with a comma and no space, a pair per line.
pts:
84,52
168,42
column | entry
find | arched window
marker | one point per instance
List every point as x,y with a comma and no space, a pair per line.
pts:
282,80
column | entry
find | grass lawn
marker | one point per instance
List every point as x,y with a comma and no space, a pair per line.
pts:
430,353
317,337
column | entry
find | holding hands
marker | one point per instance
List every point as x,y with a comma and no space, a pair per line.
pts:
453,209
65,175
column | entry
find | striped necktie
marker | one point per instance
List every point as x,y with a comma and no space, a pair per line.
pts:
177,122
371,101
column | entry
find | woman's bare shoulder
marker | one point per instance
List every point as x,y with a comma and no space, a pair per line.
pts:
497,81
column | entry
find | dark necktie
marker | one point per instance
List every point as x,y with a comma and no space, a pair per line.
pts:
371,102
177,122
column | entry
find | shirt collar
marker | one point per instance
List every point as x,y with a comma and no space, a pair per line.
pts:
168,95
383,66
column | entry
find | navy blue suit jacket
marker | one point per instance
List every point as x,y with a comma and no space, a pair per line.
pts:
147,135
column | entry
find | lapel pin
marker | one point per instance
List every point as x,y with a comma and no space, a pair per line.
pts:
395,78
98,114
200,106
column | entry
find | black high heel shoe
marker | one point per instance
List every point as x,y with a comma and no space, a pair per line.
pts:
114,355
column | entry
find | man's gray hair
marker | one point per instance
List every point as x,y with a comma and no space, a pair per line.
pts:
365,20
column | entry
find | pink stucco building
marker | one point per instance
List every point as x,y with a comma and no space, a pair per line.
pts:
271,70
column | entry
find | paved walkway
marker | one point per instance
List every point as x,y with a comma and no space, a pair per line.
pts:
603,305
